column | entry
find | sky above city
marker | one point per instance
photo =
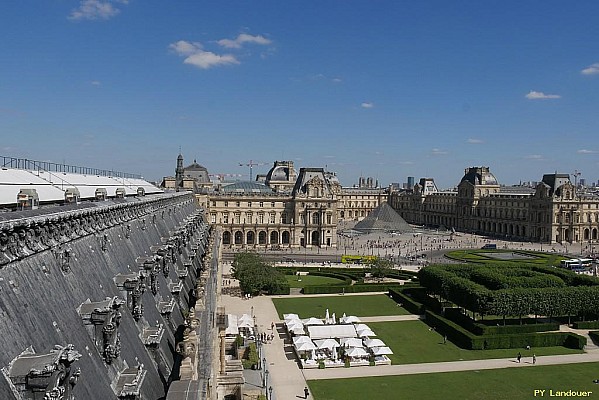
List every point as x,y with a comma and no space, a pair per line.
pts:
387,89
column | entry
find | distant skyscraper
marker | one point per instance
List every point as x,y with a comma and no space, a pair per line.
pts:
410,182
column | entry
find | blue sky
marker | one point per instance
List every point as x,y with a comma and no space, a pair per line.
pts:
387,89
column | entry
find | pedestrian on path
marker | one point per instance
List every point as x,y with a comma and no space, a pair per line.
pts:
306,392
534,359
445,339
519,357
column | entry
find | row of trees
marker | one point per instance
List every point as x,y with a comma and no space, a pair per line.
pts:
450,283
257,276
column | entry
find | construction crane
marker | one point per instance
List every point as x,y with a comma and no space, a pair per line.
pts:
251,164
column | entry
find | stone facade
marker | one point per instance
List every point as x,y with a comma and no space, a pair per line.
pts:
553,212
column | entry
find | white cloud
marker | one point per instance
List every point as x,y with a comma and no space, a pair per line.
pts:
537,157
586,151
532,95
95,83
367,105
474,141
337,80
198,57
592,69
95,9
406,162
438,152
242,39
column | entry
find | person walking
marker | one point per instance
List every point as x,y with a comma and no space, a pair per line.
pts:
519,357
445,339
534,359
306,392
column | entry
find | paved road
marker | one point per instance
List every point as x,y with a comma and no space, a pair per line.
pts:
430,368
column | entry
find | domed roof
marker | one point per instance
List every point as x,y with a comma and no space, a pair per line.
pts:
196,167
479,176
279,174
247,187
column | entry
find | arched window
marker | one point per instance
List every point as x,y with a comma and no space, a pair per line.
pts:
238,237
274,237
250,237
315,238
261,237
285,237
226,237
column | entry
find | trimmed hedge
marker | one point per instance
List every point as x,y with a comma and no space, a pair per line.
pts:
455,315
419,294
407,302
346,280
358,288
465,339
594,335
586,325
283,289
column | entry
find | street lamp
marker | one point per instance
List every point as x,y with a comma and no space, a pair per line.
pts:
265,376
269,393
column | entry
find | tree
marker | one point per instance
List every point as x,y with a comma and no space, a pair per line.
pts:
380,268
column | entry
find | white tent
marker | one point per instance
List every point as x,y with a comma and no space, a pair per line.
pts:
297,330
326,343
351,342
349,320
294,324
244,324
301,339
333,319
231,328
312,321
379,351
356,352
327,318
246,317
290,316
331,331
366,332
308,346
361,327
374,343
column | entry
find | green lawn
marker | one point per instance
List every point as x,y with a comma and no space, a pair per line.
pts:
497,384
361,306
311,280
412,342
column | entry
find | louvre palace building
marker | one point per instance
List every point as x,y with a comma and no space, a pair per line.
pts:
555,211
281,209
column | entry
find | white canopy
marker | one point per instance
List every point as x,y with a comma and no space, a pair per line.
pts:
349,320
297,330
374,343
246,317
366,332
361,327
312,321
306,346
351,342
290,316
244,324
301,339
331,331
294,324
356,352
326,343
379,351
